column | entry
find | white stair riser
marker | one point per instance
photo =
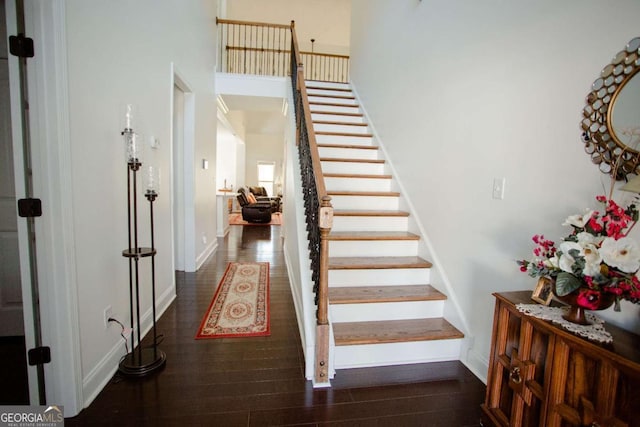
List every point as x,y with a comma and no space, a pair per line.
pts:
360,356
357,184
373,248
320,127
370,223
352,168
364,202
313,92
330,85
332,100
379,277
328,117
348,153
385,311
344,140
333,108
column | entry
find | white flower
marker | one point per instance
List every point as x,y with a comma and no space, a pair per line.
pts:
579,220
566,260
592,260
622,254
551,263
585,239
586,250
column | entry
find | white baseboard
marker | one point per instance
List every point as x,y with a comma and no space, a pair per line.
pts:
477,364
204,255
102,373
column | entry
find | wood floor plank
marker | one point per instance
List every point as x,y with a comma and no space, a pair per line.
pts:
261,380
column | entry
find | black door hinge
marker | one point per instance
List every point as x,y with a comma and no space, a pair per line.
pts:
39,356
21,46
29,208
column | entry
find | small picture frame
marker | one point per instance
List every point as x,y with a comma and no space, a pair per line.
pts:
543,293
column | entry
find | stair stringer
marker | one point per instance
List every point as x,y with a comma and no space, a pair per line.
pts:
297,257
452,310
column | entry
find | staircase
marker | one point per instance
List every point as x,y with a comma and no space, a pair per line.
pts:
382,308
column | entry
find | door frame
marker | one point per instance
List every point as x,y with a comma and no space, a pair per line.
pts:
184,199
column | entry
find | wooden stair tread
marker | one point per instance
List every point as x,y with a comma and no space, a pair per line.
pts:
372,235
333,104
337,113
341,159
322,95
348,212
377,263
337,89
378,332
378,294
364,193
328,122
356,175
361,135
357,147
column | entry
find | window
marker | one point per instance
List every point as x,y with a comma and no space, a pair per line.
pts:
266,175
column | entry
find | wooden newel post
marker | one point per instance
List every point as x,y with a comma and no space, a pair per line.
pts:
322,326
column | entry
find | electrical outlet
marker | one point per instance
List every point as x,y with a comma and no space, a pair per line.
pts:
204,239
108,313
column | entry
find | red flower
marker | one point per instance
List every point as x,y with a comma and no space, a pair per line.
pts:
594,225
588,299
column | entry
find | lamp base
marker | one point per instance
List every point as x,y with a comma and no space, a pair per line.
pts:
142,362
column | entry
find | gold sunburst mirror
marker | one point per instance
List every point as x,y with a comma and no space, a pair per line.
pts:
611,117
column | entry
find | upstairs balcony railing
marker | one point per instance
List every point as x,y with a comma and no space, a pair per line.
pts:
265,49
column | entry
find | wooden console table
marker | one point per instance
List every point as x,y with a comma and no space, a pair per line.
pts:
541,375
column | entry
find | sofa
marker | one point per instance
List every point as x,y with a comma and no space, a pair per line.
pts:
261,195
254,211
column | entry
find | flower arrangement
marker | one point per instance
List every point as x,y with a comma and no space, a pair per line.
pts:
596,261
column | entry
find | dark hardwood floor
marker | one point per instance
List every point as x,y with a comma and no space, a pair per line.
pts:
260,381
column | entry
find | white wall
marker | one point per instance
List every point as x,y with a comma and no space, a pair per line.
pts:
226,151
461,92
122,52
262,148
326,21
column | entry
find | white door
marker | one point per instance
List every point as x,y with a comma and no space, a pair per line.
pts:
11,323
18,277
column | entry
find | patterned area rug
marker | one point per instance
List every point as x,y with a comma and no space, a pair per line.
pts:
240,306
236,219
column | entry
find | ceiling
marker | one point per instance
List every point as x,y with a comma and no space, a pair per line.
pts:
257,114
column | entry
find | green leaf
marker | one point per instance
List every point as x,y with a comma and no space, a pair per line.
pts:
566,283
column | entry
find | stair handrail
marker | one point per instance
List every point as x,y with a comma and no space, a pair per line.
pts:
262,48
318,208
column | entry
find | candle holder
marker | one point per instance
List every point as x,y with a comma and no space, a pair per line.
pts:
140,361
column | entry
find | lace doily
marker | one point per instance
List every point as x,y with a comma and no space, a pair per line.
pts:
593,332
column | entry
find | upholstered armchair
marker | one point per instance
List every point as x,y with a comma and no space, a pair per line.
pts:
261,196
256,211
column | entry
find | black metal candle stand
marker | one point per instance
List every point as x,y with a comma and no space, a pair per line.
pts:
140,361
